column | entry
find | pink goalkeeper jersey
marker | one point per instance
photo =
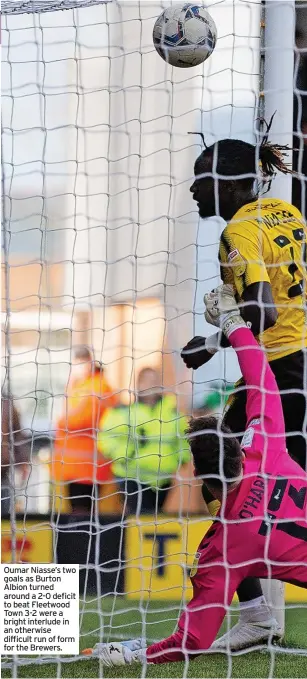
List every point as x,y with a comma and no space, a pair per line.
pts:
262,528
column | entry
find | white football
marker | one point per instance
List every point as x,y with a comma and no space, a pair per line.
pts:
185,35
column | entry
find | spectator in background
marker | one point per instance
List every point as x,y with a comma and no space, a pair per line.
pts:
146,443
11,430
75,460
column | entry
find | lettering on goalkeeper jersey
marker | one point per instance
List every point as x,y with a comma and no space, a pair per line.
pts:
253,499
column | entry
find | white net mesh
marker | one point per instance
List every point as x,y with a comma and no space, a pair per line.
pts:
103,248
40,6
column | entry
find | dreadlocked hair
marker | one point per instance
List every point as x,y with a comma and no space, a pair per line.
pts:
236,157
272,156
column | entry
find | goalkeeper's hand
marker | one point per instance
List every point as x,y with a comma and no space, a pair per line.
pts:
222,309
200,350
119,654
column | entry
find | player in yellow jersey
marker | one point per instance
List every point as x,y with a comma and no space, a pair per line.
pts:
263,254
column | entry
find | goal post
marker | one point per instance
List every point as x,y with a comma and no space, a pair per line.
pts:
276,98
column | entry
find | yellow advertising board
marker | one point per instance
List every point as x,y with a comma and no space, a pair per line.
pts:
160,556
33,542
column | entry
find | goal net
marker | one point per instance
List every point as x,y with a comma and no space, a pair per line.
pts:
103,249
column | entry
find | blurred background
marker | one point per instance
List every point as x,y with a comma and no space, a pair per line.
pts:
103,247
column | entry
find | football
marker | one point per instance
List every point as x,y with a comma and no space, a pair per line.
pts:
185,35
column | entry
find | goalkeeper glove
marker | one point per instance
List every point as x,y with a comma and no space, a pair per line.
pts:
200,350
135,644
222,310
119,654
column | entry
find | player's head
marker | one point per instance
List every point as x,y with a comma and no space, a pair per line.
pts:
226,173
216,453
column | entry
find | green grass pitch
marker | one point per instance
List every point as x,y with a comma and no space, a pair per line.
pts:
125,619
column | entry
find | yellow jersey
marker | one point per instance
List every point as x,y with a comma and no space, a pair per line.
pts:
266,241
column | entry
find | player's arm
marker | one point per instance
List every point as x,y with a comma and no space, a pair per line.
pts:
259,309
263,398
243,266
214,587
200,350
199,624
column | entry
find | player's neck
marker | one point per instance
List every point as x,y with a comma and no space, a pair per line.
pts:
219,494
239,201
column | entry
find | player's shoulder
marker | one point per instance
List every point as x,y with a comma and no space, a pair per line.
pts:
253,212
281,208
244,220
251,219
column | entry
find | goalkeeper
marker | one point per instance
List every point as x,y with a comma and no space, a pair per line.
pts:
262,531
263,255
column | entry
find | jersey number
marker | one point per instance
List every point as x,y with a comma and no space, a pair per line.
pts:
298,497
296,287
